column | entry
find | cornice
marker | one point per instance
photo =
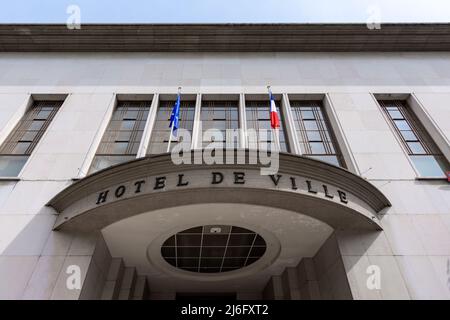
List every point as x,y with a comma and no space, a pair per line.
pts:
224,38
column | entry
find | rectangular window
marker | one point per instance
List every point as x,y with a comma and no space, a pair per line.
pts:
423,152
161,130
221,116
19,145
122,138
258,119
313,131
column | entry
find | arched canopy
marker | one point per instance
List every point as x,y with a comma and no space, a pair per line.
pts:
331,194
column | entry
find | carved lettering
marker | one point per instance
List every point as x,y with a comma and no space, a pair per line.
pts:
342,196
310,188
325,190
160,183
119,191
293,184
102,197
180,181
217,178
138,185
239,177
275,180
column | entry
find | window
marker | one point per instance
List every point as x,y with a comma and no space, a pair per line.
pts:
19,145
423,152
313,132
122,138
221,115
258,119
161,130
213,249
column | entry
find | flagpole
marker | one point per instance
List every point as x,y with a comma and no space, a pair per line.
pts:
170,138
171,127
275,131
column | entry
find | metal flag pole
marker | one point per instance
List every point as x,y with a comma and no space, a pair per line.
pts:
173,124
275,132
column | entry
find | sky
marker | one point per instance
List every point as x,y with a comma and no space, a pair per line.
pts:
216,11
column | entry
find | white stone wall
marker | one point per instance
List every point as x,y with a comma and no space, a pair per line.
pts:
414,248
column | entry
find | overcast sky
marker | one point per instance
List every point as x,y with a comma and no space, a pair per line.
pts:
221,11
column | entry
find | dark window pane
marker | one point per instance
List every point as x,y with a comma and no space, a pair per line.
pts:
428,166
36,125
241,239
211,262
395,114
188,262
317,148
123,136
10,166
310,125
212,252
329,159
119,147
43,115
168,251
416,148
188,240
127,125
21,147
102,162
402,124
212,240
409,135
314,136
29,136
131,115
307,115
188,252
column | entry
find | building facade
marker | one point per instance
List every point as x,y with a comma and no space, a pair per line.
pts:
92,206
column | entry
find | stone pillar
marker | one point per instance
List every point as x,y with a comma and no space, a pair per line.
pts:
309,286
367,255
330,272
69,260
291,283
274,289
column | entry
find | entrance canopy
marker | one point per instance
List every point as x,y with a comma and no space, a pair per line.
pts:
330,194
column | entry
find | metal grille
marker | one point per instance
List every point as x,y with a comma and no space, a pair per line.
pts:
222,116
26,135
312,128
413,135
258,119
122,138
211,249
161,130
124,132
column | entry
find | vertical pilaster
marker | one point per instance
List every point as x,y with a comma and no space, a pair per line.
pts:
146,135
197,130
242,122
294,146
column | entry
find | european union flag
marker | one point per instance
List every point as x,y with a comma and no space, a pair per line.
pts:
174,117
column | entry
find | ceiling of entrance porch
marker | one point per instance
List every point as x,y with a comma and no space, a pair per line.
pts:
297,236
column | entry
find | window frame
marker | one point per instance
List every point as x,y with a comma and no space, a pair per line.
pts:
422,135
22,128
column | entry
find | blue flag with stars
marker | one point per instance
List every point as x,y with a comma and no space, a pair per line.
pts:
175,116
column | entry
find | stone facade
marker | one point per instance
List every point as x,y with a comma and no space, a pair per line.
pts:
412,251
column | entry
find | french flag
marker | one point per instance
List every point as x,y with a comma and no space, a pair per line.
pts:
274,119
